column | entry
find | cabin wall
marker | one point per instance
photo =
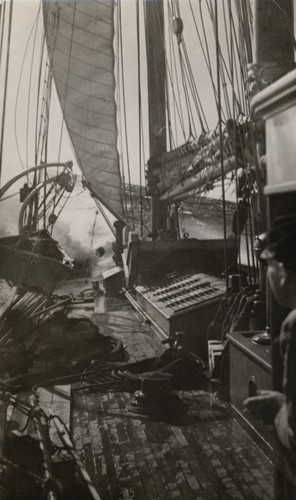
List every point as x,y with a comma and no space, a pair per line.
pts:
277,106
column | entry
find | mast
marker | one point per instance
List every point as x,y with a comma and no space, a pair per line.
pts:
157,111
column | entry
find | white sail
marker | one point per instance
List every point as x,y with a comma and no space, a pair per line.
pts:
80,41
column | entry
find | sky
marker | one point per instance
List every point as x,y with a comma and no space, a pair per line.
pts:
25,12
79,215
73,228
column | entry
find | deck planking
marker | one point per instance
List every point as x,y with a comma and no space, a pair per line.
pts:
203,454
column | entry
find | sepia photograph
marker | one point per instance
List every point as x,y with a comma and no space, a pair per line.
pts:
147,250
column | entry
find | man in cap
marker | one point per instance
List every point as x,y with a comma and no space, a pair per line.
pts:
280,256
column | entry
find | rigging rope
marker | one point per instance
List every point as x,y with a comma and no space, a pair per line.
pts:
62,206
221,143
2,26
18,92
67,80
195,94
171,79
5,86
187,75
124,114
9,196
118,100
186,94
140,117
38,97
100,207
45,107
237,234
34,202
242,71
207,62
177,98
30,88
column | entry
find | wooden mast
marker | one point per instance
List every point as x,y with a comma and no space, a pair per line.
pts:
157,110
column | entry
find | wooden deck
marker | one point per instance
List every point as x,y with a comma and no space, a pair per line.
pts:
201,454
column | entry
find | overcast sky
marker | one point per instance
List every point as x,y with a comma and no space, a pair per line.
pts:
20,115
25,12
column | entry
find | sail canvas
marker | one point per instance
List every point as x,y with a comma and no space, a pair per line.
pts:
80,43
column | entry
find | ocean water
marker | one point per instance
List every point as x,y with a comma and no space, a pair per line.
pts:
211,227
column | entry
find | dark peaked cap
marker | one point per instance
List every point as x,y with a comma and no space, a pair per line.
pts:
280,241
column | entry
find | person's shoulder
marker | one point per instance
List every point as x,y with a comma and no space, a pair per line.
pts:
289,322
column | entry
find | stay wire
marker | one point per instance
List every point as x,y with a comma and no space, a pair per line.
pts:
242,51
42,69
67,80
221,143
52,23
238,60
223,65
194,92
218,101
9,196
42,142
6,85
172,121
170,76
140,115
43,202
187,70
2,27
45,206
18,92
231,58
239,82
172,118
169,112
35,202
207,62
90,252
186,95
107,220
30,88
124,112
247,31
237,236
37,135
56,202
228,40
46,105
119,101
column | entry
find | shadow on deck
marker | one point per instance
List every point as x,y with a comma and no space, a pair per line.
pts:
202,454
